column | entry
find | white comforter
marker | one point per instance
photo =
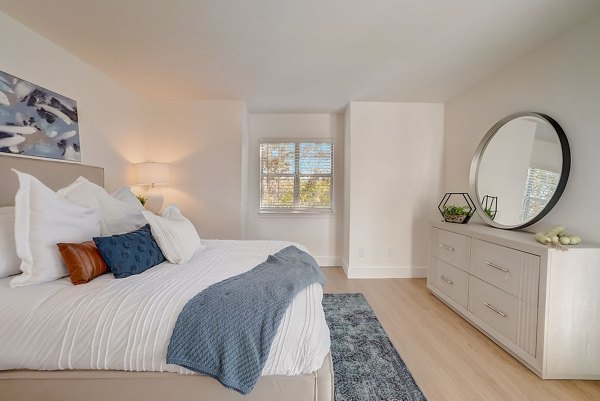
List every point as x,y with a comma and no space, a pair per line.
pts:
126,324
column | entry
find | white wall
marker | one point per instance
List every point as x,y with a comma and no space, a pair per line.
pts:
347,203
202,141
547,155
561,80
396,159
320,233
111,118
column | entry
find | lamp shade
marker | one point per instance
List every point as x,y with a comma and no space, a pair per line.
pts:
152,173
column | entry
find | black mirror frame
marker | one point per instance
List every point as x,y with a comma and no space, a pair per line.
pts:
564,174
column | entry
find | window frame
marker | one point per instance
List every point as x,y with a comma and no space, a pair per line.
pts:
296,176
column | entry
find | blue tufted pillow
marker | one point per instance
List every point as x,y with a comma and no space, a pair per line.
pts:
130,253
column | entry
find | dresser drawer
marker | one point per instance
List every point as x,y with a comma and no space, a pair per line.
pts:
511,317
495,307
510,270
451,248
450,280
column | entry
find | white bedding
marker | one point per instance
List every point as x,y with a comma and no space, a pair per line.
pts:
126,324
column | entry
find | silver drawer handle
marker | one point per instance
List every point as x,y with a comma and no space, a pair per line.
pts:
446,247
446,279
498,311
490,264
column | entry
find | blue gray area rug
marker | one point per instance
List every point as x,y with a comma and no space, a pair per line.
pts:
366,365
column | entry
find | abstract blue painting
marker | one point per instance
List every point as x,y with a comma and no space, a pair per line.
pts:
37,122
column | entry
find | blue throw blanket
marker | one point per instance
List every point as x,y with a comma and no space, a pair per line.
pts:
226,330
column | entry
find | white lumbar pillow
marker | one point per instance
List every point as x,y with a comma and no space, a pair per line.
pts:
42,219
176,236
9,261
117,216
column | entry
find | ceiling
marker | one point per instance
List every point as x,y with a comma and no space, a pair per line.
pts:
300,55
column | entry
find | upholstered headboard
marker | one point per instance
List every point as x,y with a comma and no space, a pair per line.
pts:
53,174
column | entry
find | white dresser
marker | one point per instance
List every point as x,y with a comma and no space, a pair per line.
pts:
540,304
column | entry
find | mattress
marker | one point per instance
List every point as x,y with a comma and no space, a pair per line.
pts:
125,324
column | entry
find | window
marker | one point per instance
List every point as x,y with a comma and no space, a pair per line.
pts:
539,188
296,176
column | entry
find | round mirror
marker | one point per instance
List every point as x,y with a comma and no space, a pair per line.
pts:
520,170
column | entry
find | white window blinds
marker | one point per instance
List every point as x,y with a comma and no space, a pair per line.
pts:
296,176
539,188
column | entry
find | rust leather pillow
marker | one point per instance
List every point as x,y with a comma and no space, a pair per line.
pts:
83,261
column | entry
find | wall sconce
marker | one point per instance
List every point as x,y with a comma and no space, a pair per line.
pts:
152,174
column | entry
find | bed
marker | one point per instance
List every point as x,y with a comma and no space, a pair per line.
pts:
104,340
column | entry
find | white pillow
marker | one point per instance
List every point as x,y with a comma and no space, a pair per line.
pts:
117,216
126,195
9,261
176,236
43,219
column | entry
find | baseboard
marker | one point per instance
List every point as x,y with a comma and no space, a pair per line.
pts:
373,272
326,261
345,266
386,272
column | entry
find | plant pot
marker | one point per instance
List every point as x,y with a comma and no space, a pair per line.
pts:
460,219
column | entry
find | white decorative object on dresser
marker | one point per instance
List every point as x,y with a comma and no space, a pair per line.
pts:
540,304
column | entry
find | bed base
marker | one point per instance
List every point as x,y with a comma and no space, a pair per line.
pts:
89,385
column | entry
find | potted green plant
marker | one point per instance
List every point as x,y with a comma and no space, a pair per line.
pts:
490,206
491,214
142,199
456,207
455,213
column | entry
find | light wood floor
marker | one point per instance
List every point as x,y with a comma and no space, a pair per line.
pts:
450,359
